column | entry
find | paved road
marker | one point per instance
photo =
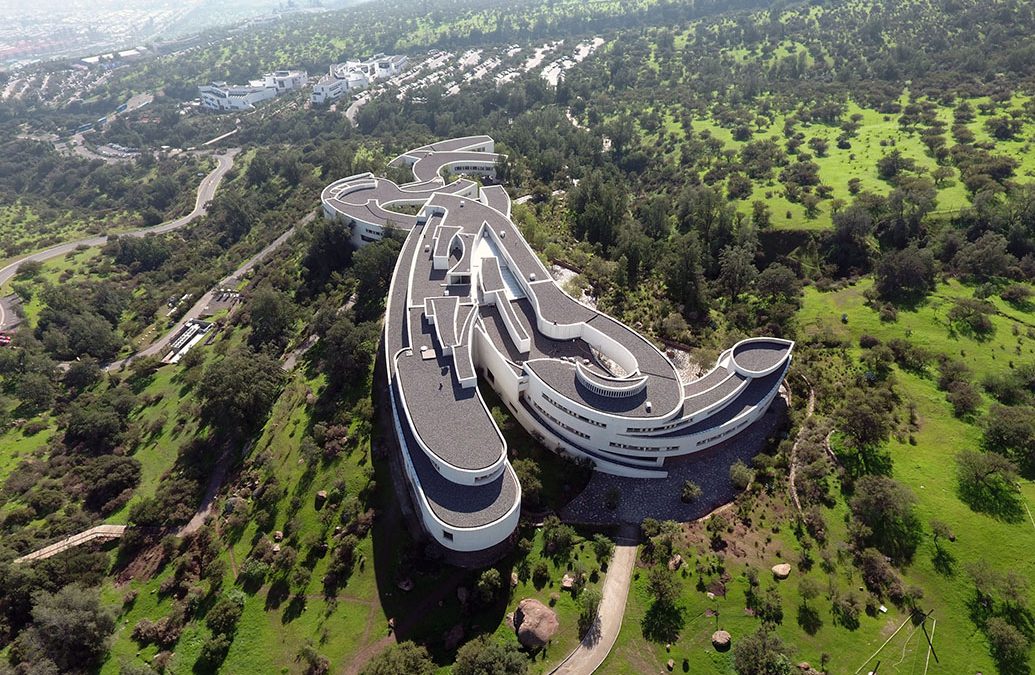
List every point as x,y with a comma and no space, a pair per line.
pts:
595,647
159,346
206,191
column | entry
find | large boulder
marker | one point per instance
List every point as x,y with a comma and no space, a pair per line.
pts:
534,623
782,571
721,640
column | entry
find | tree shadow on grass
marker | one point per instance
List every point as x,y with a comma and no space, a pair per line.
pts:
293,610
277,594
994,497
809,619
663,622
944,561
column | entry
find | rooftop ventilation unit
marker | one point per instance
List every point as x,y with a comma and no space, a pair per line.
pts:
531,277
503,234
648,406
427,248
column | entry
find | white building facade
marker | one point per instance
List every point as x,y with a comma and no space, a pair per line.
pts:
471,301
351,76
221,96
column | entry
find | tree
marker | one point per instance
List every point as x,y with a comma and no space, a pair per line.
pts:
107,477
82,374
223,617
95,423
851,245
906,275
528,475
603,548
329,251
238,391
1010,647
598,205
741,475
402,657
485,655
318,664
35,390
984,258
736,270
893,164
348,350
489,585
761,653
864,417
761,216
70,628
887,511
972,316
271,315
662,584
589,605
1011,430
777,282
988,483
683,272
372,268
691,492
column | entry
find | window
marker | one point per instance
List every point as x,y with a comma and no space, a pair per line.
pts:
448,535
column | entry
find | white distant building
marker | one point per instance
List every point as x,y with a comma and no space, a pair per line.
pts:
342,78
223,96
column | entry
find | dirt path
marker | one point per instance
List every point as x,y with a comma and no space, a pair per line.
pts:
597,644
794,449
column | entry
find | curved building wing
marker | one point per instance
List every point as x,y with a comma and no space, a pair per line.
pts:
469,299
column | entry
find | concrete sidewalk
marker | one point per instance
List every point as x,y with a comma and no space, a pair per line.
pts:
595,647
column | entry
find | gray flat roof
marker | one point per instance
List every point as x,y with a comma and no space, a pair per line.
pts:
752,396
760,355
460,505
450,419
492,277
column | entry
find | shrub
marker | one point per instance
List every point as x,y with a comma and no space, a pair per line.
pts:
741,475
691,492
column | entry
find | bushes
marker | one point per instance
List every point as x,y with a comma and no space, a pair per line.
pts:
691,492
884,511
741,475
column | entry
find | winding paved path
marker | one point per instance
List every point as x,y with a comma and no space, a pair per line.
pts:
206,191
595,647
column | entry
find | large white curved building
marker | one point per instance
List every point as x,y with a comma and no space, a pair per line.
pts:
469,298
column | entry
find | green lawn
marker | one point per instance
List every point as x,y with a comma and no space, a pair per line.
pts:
928,468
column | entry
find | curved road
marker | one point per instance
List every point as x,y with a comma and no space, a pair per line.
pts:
159,346
206,191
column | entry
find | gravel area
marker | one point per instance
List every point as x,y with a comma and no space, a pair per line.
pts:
688,369
659,498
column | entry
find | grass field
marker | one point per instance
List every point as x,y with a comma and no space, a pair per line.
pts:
877,136
926,467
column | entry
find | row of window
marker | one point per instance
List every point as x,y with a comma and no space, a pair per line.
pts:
558,422
642,448
671,425
575,414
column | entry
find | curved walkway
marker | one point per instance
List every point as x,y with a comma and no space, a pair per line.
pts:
206,191
94,533
597,644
